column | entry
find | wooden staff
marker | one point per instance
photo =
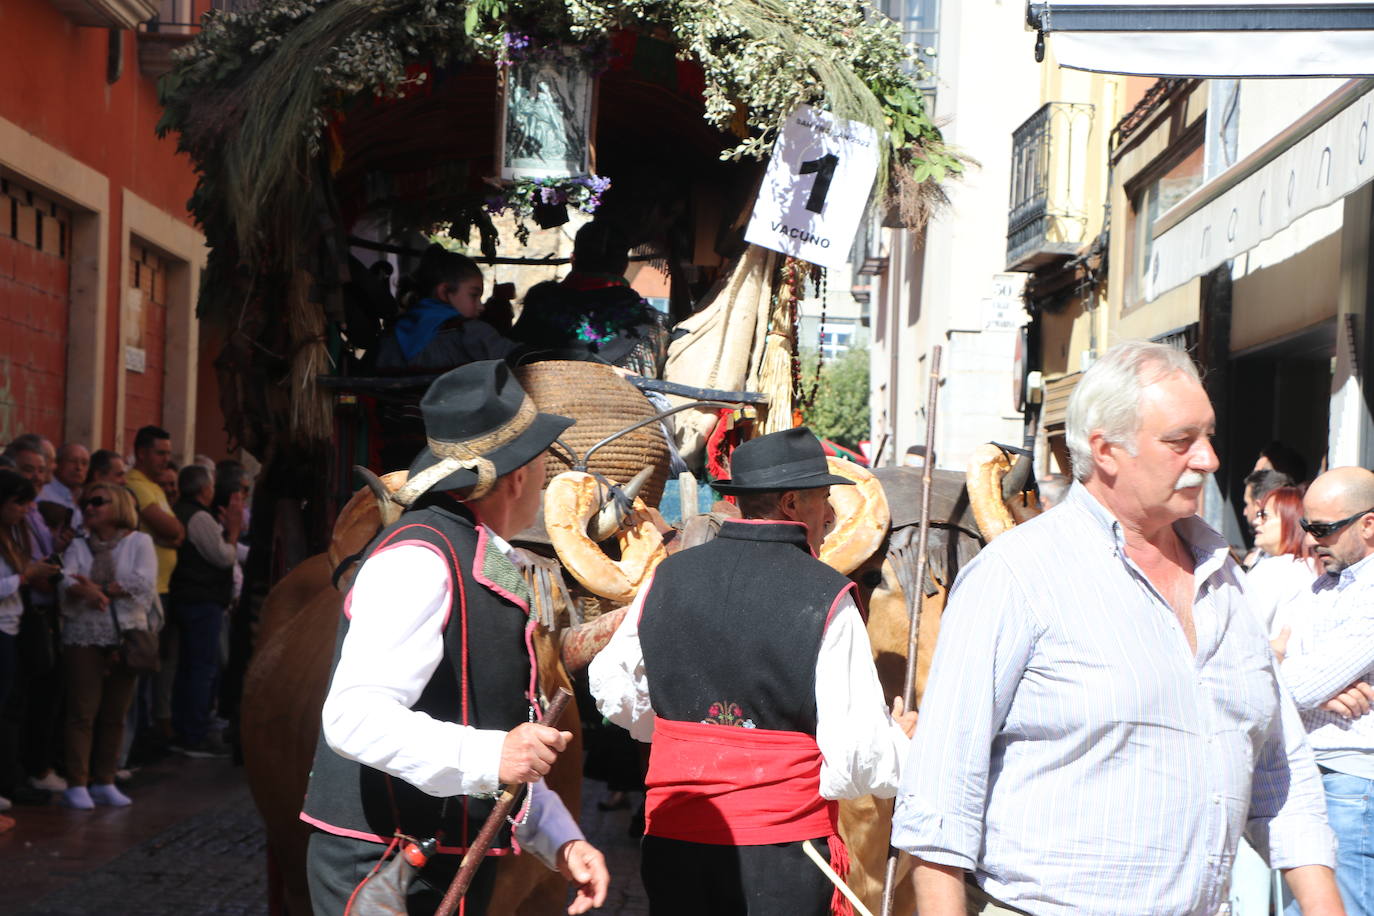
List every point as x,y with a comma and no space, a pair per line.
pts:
472,859
916,602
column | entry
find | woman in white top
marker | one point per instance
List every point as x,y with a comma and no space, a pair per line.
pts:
1285,576
111,573
17,570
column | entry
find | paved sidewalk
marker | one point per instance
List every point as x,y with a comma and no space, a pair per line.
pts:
192,845
606,830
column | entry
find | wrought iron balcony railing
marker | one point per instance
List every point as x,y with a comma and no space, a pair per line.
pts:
1047,219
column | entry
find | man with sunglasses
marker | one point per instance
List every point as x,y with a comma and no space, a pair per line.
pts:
1328,664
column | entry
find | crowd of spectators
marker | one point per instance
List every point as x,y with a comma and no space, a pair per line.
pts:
116,577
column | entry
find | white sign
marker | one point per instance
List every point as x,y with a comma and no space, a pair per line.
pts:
1002,314
816,187
135,359
1003,311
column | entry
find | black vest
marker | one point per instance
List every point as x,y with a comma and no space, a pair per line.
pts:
352,799
731,629
196,578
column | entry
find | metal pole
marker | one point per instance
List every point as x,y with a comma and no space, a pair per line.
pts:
917,601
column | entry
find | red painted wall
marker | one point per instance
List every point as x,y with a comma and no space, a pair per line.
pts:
53,74
33,334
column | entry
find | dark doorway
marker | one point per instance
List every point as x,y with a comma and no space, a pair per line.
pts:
1282,391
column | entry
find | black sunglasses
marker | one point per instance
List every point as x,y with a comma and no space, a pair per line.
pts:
96,501
1323,529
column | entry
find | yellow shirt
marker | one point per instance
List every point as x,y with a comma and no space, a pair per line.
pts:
147,493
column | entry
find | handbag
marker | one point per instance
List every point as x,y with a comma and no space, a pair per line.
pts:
138,649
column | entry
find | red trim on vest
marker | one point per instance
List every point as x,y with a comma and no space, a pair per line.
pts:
348,599
385,545
851,589
729,786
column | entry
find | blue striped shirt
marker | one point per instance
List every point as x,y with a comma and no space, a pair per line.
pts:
1076,756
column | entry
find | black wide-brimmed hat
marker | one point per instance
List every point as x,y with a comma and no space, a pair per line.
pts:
791,459
480,424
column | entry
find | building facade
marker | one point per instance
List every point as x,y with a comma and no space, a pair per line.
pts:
948,284
99,259
1235,226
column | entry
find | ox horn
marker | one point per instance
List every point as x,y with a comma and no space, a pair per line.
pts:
388,509
615,509
1014,482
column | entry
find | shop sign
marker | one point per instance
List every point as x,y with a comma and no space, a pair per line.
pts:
816,188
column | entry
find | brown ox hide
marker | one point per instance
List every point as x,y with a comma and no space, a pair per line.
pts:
280,720
866,823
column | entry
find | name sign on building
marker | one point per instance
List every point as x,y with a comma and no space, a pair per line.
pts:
816,187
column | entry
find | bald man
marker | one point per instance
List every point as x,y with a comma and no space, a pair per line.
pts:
1329,666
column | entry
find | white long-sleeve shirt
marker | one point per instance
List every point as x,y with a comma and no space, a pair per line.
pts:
395,641
1332,646
862,746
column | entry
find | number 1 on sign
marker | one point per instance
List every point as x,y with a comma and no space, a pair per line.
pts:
824,168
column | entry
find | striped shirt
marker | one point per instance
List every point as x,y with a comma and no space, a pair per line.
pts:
1076,756
1332,646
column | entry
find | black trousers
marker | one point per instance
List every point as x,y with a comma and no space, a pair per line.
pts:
695,878
336,865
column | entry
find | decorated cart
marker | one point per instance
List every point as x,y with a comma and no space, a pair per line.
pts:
737,143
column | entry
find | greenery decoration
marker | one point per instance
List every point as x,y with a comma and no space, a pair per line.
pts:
253,96
260,98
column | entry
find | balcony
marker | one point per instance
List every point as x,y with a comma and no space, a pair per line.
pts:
1048,220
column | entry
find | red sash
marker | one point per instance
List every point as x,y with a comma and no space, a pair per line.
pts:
730,786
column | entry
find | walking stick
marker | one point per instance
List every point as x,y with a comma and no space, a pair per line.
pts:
916,602
478,850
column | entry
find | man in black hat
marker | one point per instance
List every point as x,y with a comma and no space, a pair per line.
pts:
746,662
434,699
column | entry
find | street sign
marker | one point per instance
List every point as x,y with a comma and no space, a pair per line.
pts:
1003,311
816,187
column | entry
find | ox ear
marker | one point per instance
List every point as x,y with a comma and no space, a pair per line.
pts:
386,507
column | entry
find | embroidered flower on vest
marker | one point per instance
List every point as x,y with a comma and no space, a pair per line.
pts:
723,712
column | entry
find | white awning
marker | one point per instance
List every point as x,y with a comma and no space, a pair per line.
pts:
1318,160
1224,38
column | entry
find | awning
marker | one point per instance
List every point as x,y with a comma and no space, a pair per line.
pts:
1316,161
1225,38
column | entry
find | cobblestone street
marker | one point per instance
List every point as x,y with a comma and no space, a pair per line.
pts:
192,845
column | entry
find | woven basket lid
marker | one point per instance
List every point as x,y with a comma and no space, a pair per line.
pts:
602,403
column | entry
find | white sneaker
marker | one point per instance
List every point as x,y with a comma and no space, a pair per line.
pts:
51,782
5,803
77,797
109,795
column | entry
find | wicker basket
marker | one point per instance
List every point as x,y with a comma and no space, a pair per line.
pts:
602,403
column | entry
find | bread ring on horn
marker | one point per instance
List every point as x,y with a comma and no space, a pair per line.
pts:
572,498
861,517
986,467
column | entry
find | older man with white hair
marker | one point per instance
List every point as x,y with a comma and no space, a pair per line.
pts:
1103,718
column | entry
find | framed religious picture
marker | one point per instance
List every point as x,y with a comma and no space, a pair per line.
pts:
546,119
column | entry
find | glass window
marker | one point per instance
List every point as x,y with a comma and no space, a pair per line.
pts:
1223,119
1150,203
